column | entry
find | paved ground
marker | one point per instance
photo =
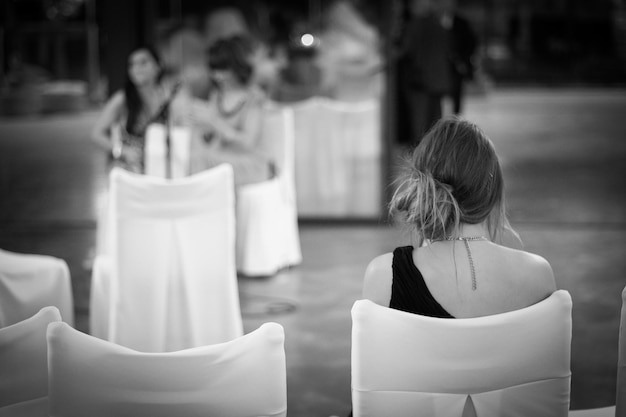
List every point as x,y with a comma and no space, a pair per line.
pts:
563,152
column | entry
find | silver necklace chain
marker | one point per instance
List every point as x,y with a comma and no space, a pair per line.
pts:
466,240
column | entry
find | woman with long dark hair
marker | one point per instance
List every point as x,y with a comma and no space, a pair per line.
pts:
121,126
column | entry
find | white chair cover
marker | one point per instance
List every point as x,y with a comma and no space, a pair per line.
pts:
155,165
101,297
172,282
338,158
267,220
510,364
24,365
242,378
30,282
156,151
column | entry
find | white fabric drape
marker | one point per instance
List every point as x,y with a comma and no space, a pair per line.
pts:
172,282
338,158
24,365
155,158
245,377
30,282
510,364
268,238
155,154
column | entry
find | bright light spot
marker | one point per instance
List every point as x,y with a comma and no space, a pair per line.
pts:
307,39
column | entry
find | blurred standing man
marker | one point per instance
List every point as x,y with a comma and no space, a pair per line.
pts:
462,44
425,67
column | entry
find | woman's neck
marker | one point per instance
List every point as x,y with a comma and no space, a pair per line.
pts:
473,230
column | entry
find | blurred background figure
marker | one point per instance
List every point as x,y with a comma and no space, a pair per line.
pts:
424,67
266,57
228,124
349,54
183,51
122,124
462,44
223,23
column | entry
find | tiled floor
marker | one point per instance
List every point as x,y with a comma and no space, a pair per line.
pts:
563,153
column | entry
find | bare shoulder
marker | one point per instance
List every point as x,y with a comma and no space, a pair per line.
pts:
378,279
536,272
542,271
111,113
115,104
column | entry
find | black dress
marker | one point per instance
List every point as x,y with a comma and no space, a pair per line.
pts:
408,290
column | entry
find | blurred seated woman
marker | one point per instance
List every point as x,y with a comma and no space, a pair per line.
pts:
466,261
228,125
122,123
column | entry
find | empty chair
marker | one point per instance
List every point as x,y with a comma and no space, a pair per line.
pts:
170,282
511,364
619,410
24,365
30,282
156,151
267,220
242,378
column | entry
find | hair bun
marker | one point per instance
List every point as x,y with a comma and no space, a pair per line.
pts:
446,186
428,202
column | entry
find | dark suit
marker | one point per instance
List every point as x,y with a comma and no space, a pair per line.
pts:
462,43
425,72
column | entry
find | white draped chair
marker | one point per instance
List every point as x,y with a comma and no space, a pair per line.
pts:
24,365
155,163
338,158
155,155
169,282
244,377
30,282
619,410
268,238
510,364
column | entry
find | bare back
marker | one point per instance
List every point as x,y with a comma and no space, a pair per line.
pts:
506,279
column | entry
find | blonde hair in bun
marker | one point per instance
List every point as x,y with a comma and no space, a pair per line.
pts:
453,176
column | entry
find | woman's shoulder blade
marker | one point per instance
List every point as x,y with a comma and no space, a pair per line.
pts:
533,272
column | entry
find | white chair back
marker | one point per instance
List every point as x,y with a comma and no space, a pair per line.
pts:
242,378
155,153
338,158
173,281
268,238
510,364
277,141
29,283
24,365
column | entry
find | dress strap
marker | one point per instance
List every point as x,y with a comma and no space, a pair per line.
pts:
409,291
